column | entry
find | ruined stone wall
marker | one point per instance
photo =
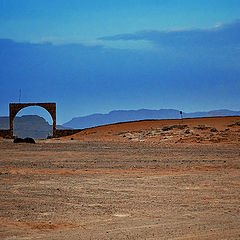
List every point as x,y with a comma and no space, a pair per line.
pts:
6,133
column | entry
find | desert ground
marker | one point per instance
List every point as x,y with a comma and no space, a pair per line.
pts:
159,179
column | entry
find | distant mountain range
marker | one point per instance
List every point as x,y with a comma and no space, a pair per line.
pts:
134,115
38,128
29,126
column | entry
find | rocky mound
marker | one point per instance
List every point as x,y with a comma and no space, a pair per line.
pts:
198,130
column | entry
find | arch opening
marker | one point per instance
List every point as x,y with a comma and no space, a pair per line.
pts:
33,121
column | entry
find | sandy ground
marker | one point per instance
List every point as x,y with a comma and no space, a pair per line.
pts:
142,180
198,130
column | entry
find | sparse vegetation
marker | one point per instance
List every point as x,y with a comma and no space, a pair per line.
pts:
201,127
167,128
234,124
187,131
213,130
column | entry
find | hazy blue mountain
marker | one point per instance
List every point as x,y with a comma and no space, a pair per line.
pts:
134,115
29,126
4,123
213,113
38,128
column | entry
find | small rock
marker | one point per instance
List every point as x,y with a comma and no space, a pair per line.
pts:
213,130
18,140
29,140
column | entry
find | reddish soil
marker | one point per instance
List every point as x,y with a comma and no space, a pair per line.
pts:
196,130
141,180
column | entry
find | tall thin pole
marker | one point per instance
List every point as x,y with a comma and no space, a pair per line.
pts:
20,93
181,115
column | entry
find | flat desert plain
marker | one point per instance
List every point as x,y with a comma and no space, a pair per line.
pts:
159,179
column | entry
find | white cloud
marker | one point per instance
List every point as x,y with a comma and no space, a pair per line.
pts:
217,36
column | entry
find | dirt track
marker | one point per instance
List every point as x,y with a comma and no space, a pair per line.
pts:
92,189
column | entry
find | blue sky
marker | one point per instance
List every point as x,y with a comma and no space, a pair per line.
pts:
97,56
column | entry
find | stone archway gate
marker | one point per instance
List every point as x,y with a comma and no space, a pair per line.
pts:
14,108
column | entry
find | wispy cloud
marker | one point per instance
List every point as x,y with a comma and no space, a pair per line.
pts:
104,78
219,35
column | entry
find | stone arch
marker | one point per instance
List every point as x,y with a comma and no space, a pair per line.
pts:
14,108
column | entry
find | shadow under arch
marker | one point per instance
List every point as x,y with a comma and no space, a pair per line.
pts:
14,108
